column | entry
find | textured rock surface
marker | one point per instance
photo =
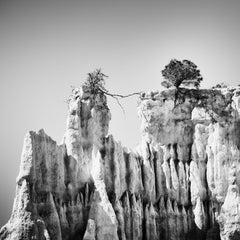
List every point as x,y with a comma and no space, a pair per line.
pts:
181,182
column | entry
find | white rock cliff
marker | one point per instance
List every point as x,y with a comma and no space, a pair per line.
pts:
181,182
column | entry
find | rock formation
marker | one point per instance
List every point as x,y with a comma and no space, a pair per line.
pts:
181,182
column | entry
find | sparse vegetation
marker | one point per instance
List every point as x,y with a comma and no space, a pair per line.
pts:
181,72
96,81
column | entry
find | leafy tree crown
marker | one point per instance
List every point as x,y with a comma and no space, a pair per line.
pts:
181,72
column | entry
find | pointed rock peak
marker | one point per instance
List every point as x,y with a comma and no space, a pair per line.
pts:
65,205
175,208
187,169
172,164
180,153
147,208
152,209
232,199
181,165
50,197
133,200
162,204
145,152
138,197
194,154
169,207
81,197
199,214
41,132
127,195
126,202
166,153
184,213
111,140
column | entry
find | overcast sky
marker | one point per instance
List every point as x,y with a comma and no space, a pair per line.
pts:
46,46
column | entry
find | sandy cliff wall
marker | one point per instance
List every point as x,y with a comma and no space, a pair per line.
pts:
182,182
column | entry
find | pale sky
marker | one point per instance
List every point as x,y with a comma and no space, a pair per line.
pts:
46,46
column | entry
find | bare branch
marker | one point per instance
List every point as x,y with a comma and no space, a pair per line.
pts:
119,95
95,82
118,103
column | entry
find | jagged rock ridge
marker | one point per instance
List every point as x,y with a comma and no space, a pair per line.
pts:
182,182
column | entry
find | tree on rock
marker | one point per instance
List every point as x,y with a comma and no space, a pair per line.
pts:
95,81
181,72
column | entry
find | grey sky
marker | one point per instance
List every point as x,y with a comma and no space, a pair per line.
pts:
46,46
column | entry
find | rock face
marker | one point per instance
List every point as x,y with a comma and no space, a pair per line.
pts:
182,182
